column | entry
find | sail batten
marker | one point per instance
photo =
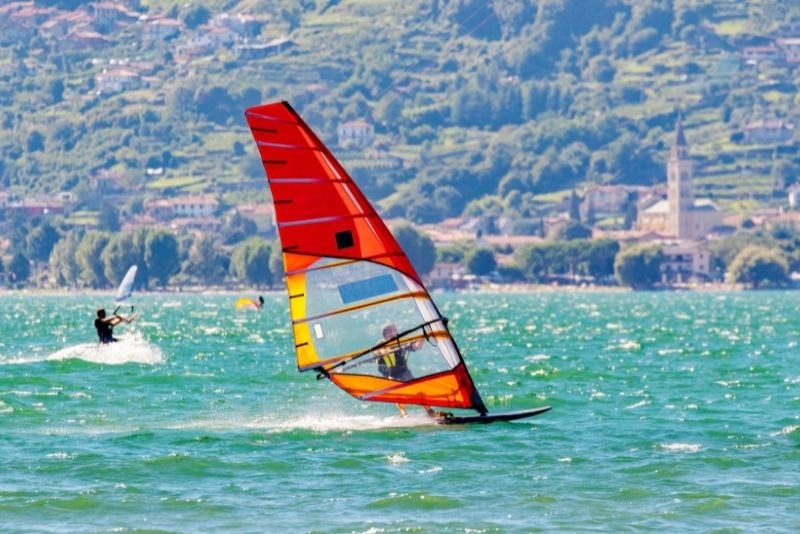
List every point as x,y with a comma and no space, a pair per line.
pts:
350,309
350,284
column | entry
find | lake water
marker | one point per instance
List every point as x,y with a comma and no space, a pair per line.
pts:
676,411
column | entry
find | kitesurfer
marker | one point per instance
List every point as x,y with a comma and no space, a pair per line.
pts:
105,325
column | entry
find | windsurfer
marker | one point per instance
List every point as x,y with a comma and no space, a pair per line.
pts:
393,356
105,325
392,360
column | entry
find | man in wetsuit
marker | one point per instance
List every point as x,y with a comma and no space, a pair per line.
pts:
393,361
393,357
105,325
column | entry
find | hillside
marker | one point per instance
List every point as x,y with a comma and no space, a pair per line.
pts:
477,107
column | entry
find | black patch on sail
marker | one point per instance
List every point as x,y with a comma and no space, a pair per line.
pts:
344,239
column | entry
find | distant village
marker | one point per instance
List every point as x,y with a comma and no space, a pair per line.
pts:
667,214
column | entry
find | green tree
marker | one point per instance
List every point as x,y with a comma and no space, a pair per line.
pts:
19,269
250,262
723,251
389,110
784,174
118,256
631,214
759,267
35,141
574,207
161,255
568,231
88,258
276,261
418,247
41,241
452,253
56,90
206,263
599,256
639,266
534,261
109,218
236,228
63,264
480,261
195,15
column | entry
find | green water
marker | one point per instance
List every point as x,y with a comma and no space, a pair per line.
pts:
676,411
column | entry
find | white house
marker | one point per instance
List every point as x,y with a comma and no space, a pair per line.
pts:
767,131
359,133
684,261
755,54
605,198
195,206
117,80
791,49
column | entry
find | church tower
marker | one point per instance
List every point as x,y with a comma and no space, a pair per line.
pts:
679,188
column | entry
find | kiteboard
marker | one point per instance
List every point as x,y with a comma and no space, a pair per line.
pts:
490,418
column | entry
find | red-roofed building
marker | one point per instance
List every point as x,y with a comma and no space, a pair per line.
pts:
160,208
161,28
64,23
85,40
35,208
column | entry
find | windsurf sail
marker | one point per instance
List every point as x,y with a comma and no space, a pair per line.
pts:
126,286
348,278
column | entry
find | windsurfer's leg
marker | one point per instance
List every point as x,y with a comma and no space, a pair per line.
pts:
436,415
402,409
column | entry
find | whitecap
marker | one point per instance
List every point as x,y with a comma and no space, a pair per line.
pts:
537,358
681,447
638,405
131,348
398,458
786,430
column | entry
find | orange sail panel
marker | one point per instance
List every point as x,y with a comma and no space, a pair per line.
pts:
360,313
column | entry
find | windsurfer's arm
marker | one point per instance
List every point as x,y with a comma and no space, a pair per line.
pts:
413,345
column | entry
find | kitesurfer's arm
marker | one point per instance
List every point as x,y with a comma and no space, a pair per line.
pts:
117,319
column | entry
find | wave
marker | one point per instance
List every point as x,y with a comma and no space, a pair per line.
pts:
131,348
317,422
272,424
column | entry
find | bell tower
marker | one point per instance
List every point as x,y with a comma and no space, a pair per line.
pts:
679,187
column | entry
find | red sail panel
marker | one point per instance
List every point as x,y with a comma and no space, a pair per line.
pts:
319,210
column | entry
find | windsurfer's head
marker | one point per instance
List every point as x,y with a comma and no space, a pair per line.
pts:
389,331
101,313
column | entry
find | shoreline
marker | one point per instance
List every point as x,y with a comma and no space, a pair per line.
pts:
482,288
